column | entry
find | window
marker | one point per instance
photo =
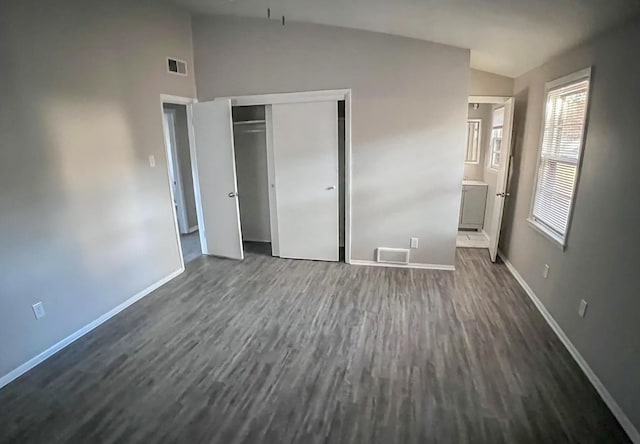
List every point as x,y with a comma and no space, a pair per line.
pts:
560,153
474,128
495,144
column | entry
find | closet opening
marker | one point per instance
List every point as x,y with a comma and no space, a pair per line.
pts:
273,174
256,164
250,142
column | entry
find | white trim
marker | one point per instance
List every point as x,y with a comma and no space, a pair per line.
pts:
192,229
546,232
290,97
177,100
413,266
583,74
313,96
31,363
173,162
171,194
570,78
622,418
348,170
187,101
488,99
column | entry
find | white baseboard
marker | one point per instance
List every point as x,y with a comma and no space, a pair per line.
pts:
19,371
624,421
416,266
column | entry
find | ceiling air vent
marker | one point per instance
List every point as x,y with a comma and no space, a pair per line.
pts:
175,66
392,255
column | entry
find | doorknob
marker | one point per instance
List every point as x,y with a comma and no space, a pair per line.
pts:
503,194
332,187
233,194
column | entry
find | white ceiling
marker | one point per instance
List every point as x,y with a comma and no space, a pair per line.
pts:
507,37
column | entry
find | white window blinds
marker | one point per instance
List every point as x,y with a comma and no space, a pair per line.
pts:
564,122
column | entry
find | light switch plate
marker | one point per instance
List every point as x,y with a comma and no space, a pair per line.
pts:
152,161
545,271
38,310
582,309
414,242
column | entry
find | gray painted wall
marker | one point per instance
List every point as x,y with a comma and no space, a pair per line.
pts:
409,114
86,223
600,263
184,160
483,83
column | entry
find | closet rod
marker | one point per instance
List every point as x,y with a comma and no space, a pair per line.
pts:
249,122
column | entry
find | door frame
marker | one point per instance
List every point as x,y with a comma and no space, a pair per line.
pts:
174,164
187,102
312,96
508,129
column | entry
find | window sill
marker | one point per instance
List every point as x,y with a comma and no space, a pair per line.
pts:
554,238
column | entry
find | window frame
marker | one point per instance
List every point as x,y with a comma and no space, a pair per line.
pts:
490,166
479,150
539,226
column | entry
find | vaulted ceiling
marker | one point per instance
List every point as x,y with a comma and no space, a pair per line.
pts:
507,37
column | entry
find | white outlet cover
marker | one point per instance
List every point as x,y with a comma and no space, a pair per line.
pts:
38,310
414,242
152,161
545,271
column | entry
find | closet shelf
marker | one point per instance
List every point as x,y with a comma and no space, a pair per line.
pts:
249,122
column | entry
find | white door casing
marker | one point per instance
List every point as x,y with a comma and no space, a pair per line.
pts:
174,169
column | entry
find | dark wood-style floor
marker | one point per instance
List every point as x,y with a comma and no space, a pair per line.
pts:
281,351
190,244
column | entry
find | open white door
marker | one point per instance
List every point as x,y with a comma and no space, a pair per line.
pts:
305,152
501,183
215,179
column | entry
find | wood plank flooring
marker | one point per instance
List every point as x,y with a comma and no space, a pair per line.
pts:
281,351
190,246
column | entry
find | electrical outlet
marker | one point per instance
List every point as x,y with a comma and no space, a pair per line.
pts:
38,310
414,242
545,271
582,308
152,161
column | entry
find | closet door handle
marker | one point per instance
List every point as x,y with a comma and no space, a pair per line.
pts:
233,194
332,187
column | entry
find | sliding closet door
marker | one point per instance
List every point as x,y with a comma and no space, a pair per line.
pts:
215,179
305,151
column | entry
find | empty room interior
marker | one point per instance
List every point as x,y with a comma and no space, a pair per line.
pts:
319,222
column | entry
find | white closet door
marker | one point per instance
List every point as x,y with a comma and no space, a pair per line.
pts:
305,151
215,174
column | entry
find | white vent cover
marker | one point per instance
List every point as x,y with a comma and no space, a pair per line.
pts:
392,255
175,66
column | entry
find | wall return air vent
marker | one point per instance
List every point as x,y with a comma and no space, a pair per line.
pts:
175,66
392,255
